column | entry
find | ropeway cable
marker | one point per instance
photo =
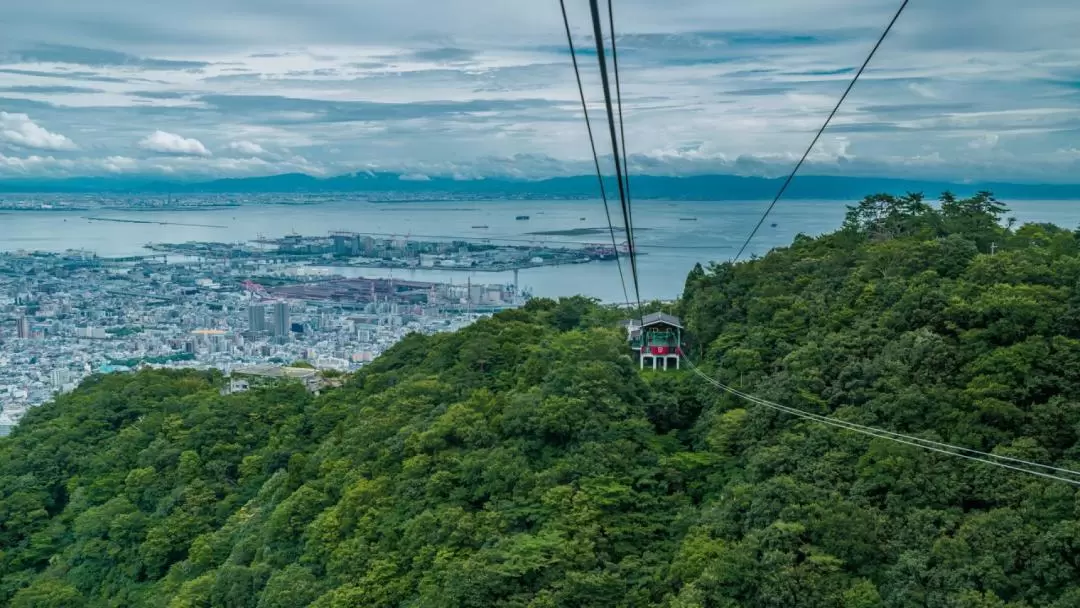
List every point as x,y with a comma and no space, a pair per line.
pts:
919,442
622,130
598,35
897,437
596,162
813,142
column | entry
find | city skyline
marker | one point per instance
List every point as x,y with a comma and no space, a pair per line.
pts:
66,316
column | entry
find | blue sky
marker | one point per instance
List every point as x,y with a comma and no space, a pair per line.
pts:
962,89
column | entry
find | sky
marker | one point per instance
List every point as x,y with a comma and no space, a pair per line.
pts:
961,90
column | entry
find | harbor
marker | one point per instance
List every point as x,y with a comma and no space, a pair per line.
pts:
358,250
667,247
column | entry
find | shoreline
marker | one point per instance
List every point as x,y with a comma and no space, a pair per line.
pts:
462,269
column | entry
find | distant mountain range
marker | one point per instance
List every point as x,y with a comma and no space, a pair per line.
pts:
388,185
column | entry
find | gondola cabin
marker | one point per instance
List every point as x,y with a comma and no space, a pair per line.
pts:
656,340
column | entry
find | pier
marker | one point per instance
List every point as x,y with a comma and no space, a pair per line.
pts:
130,221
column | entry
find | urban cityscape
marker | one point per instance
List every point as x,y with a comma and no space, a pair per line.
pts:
65,316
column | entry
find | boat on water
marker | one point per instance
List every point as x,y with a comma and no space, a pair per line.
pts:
480,226
522,217
687,219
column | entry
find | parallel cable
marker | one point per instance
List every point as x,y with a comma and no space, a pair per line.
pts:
598,34
596,162
874,430
622,130
919,442
813,142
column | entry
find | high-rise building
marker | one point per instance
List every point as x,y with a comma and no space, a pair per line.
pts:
60,377
257,317
24,328
281,319
342,244
96,333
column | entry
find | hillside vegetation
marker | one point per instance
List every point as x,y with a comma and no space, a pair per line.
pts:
525,462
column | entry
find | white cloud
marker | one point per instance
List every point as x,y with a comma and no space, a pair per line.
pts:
985,142
247,147
171,143
1072,154
120,164
14,165
923,90
18,129
193,166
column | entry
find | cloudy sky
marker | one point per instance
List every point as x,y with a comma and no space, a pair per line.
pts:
962,89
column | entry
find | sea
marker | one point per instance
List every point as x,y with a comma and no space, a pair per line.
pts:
671,236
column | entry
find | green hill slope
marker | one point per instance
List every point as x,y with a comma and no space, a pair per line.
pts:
526,462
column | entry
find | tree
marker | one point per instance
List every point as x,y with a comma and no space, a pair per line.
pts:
48,593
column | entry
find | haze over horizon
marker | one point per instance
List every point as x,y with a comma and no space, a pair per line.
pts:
237,88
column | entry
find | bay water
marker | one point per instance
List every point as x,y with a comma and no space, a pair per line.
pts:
671,236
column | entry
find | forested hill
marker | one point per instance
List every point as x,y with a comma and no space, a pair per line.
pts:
525,462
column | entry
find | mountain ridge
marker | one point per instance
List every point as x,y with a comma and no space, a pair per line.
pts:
696,187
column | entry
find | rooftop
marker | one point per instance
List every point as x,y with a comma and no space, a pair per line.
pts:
654,318
274,371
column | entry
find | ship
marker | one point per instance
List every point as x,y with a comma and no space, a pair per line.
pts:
522,217
481,226
687,219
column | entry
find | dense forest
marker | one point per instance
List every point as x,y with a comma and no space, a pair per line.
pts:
526,462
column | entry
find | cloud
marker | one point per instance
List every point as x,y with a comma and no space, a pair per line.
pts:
172,166
19,130
159,94
444,88
247,147
318,110
59,53
171,143
64,75
120,164
923,90
443,55
48,89
987,141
